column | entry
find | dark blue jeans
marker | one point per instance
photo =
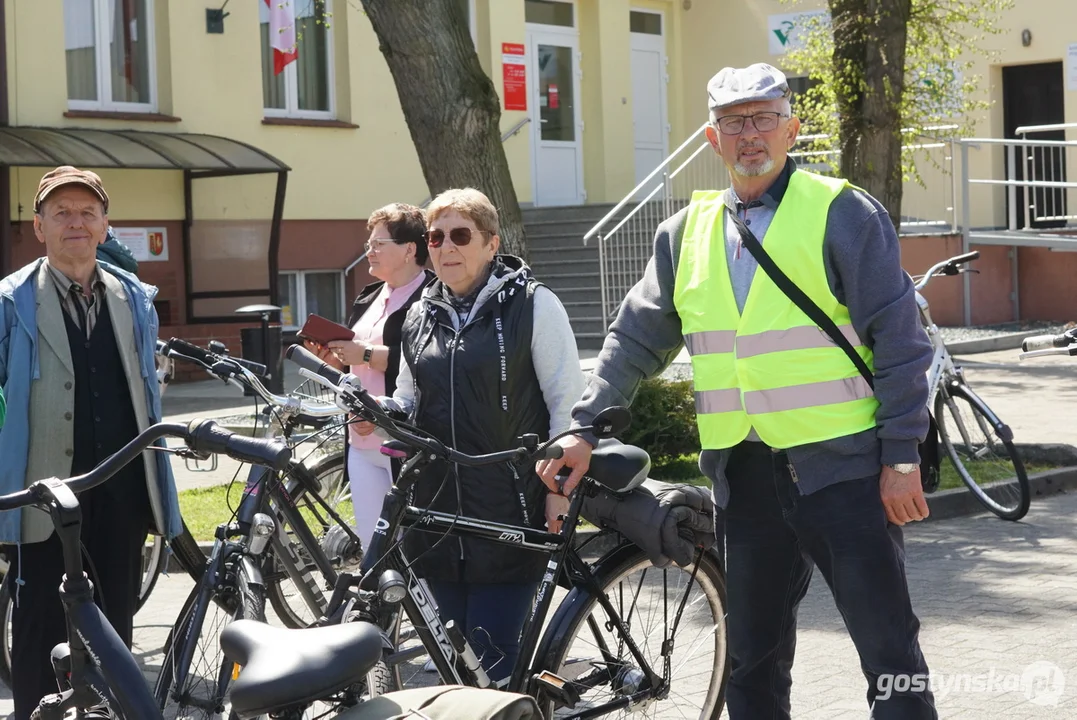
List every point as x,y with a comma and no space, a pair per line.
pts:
774,538
491,616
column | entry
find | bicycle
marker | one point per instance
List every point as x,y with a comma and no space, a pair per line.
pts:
268,532
978,444
94,665
592,659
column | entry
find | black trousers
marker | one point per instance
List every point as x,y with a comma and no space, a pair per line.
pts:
775,537
115,519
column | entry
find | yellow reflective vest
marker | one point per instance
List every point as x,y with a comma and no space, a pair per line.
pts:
771,368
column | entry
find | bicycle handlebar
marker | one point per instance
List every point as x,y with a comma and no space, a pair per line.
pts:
200,435
244,374
1041,345
354,398
950,266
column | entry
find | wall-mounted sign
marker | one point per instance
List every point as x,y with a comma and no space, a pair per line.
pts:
146,244
514,76
782,30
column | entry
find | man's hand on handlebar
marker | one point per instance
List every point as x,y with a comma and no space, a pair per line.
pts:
576,457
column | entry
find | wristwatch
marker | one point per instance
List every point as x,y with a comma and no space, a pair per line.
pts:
367,354
904,468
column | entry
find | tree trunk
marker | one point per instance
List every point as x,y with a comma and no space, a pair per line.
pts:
869,67
451,107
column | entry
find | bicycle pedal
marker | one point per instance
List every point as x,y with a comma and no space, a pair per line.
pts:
558,689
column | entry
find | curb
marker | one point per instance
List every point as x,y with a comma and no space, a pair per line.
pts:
1010,341
959,502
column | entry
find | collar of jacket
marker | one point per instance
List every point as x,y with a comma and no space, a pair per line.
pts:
506,269
773,195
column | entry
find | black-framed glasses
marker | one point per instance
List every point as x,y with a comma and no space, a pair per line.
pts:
763,122
459,237
378,244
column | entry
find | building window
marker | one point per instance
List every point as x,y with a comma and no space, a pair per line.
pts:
311,292
304,88
110,55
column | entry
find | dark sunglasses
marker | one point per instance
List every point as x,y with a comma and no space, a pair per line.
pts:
460,237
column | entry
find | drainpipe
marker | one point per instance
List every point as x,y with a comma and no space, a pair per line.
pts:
5,170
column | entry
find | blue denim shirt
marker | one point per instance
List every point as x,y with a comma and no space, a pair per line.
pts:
19,369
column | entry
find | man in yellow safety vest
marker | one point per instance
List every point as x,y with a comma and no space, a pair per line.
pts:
813,466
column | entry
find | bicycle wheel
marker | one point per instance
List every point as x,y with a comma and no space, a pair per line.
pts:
6,607
981,449
188,554
588,652
203,693
282,581
154,559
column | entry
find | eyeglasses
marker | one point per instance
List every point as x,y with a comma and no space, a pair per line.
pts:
377,245
460,237
763,122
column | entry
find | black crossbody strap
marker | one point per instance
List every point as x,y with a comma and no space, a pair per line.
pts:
799,298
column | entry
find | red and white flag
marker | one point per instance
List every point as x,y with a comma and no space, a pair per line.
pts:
282,33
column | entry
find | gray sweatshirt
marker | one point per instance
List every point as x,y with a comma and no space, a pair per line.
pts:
862,258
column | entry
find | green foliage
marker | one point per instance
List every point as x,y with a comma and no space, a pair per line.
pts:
664,424
945,40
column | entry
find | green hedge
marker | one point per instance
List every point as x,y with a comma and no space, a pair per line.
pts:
664,424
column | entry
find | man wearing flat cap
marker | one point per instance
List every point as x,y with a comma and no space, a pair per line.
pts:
813,465
77,340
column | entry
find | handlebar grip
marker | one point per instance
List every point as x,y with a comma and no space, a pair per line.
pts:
306,359
967,257
207,436
191,350
1044,342
553,452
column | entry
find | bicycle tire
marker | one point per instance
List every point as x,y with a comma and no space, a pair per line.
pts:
561,646
188,555
154,559
994,493
292,611
6,607
248,601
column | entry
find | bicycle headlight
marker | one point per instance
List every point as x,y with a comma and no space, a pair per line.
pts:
391,587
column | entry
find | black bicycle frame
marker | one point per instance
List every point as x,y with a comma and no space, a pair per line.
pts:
418,602
94,663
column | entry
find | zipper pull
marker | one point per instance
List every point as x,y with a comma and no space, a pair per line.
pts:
793,472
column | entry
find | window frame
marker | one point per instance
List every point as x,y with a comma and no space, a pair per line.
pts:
299,309
104,66
291,80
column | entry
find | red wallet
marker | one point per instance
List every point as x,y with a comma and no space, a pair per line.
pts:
323,330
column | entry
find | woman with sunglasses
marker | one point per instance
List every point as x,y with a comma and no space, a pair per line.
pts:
490,355
396,253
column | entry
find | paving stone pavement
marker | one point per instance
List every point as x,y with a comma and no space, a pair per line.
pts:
996,600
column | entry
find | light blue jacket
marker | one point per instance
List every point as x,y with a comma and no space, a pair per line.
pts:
20,368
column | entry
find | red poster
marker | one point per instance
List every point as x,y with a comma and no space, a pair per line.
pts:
514,76
555,97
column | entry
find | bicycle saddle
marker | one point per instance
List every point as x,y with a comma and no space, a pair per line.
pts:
618,467
282,667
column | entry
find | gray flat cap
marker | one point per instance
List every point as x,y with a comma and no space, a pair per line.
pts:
755,83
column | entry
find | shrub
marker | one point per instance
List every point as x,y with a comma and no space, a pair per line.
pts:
664,422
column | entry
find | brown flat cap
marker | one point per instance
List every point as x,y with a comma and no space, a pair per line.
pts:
67,175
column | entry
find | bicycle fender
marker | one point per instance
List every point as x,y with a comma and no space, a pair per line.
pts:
960,388
249,572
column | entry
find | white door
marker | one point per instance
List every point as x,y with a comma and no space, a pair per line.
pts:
554,84
648,92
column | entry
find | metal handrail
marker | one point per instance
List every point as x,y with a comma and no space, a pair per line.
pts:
627,198
1025,129
515,128
355,262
